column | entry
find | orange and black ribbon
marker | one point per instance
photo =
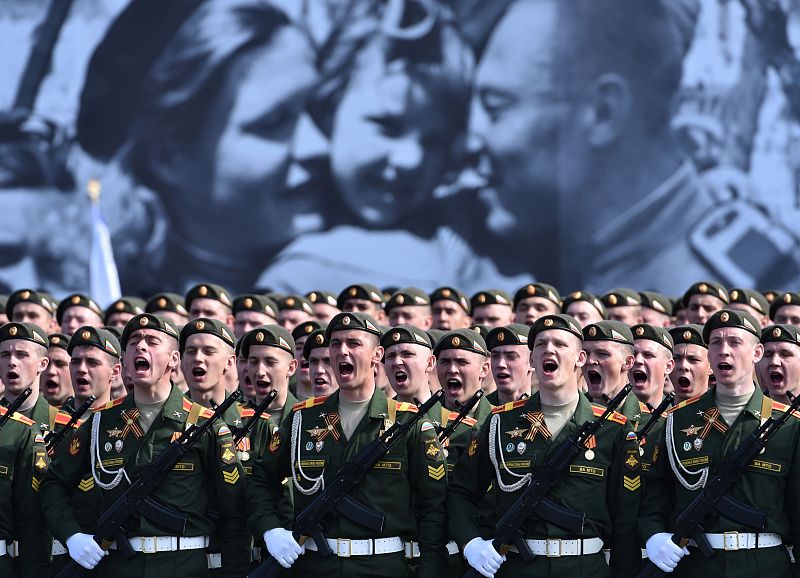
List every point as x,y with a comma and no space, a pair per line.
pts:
536,419
130,418
713,419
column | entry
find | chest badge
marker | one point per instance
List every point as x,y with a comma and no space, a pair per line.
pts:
538,426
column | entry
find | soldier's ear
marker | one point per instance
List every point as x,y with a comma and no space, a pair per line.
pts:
758,352
607,110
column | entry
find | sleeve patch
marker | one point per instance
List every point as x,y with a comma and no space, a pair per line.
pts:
231,477
436,473
632,483
432,449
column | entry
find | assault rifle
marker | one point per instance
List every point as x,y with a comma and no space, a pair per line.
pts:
52,439
655,415
240,433
11,408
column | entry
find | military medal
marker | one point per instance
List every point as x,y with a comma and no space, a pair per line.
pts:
510,447
687,446
318,445
641,451
589,455
521,447
118,445
108,446
244,456
309,446
698,443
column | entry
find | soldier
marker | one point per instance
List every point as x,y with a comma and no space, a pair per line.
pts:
690,375
491,307
253,310
652,362
751,301
77,310
363,298
123,310
699,433
462,363
534,300
509,357
779,370
206,348
124,436
318,356
680,312
786,309
169,305
294,310
584,307
409,306
623,305
325,305
3,315
209,301
302,385
30,306
609,358
656,309
55,382
450,308
703,299
408,485
408,359
603,483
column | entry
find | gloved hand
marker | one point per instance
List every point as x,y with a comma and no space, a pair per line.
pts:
282,546
84,550
482,556
663,552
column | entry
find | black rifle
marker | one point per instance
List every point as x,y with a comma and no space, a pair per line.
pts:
336,496
463,411
655,415
136,498
240,433
714,496
52,439
533,499
11,408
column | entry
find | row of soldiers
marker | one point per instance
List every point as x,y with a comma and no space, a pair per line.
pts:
440,498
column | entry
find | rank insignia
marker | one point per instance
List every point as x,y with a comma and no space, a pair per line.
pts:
432,449
437,473
231,477
74,446
632,484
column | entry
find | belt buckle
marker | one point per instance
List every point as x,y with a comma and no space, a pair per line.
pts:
341,552
734,539
553,547
143,544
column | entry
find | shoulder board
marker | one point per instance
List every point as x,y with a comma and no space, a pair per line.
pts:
468,421
112,403
247,412
310,402
684,403
265,416
643,408
62,418
613,416
17,417
206,413
406,406
509,405
187,405
783,407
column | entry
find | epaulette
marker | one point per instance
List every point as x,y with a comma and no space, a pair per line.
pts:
406,406
187,405
265,416
466,420
62,418
643,408
17,417
112,403
684,403
310,402
509,405
783,407
614,416
247,412
206,413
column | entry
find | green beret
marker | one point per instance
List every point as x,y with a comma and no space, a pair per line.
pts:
297,303
27,296
690,333
781,332
513,334
537,290
583,296
24,331
489,297
95,337
388,291
406,334
621,297
322,297
255,302
752,298
166,302
148,321
208,291
307,328
115,331
58,340
706,288
771,294
731,318
407,296
271,335
206,325
608,331
132,305
560,321
450,294
480,329
316,340
656,301
465,339
360,291
658,334
76,300
436,335
787,298
353,320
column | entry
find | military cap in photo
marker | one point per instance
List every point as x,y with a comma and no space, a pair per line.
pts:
270,335
95,337
388,292
480,329
435,335
621,297
513,334
751,298
560,321
731,318
115,331
450,294
58,340
28,296
787,298
307,328
656,301
316,340
166,302
489,297
353,320
297,303
360,291
781,332
690,333
537,290
132,305
322,297
205,325
406,334
608,330
658,334
464,339
407,296
706,288
148,321
208,291
590,298
255,302
76,300
771,294
24,331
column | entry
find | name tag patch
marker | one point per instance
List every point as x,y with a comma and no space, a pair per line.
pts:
183,467
518,464
586,470
698,461
768,466
384,465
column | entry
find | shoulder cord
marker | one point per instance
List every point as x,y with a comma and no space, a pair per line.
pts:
294,450
94,453
677,466
493,441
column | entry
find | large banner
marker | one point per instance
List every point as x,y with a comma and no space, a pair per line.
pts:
294,145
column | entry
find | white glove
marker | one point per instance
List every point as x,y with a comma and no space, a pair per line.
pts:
482,556
84,550
282,546
663,552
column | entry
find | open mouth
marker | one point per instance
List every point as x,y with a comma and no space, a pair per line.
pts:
776,378
594,377
684,382
263,385
453,386
549,367
50,386
724,366
12,375
198,371
639,377
346,369
502,376
400,377
141,364
320,381
82,381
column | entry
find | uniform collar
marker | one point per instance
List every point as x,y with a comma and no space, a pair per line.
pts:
753,405
173,408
